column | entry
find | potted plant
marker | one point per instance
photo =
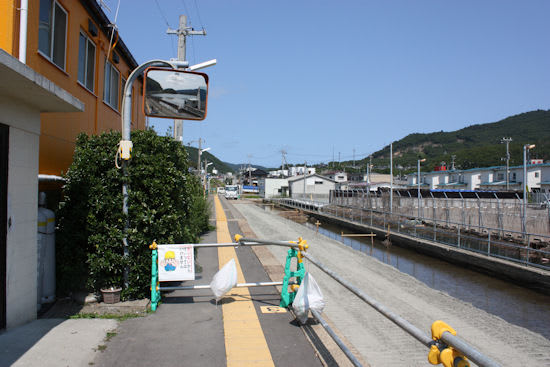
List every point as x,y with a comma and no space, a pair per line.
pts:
111,294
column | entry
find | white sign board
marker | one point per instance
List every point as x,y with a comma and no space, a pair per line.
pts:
176,262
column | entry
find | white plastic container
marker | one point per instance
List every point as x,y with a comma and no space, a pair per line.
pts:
47,250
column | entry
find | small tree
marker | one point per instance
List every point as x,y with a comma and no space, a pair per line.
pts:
165,204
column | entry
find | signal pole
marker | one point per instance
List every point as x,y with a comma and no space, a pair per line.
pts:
507,142
183,31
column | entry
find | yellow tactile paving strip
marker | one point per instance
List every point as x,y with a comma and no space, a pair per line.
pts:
245,343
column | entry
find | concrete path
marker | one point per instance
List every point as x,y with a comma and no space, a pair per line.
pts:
379,341
188,327
54,342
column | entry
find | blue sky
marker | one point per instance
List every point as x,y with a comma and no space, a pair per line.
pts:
313,77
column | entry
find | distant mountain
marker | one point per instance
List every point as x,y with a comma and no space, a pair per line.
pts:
237,166
220,166
473,146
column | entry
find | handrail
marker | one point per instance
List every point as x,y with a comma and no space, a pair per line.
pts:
454,341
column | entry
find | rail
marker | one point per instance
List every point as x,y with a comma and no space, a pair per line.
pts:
479,239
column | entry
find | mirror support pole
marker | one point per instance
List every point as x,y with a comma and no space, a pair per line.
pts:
126,127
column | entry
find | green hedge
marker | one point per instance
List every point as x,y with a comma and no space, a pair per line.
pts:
166,204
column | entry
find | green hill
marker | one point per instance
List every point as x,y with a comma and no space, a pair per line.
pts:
220,166
474,146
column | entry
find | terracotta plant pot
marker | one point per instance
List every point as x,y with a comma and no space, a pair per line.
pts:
111,295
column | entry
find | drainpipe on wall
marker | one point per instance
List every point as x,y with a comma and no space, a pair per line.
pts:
23,12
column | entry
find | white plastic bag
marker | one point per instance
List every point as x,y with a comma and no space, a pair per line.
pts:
308,297
224,279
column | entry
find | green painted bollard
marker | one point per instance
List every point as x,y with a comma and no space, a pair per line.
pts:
155,293
288,297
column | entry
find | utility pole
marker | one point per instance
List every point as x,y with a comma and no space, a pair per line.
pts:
249,171
391,177
453,162
353,157
199,158
182,32
507,142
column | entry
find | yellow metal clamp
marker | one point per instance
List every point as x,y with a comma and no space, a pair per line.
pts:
153,246
442,353
238,237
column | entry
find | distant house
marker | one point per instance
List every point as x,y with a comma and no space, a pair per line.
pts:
273,187
250,178
311,187
486,178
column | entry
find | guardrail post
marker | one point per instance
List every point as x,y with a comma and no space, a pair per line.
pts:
155,293
459,236
288,297
371,217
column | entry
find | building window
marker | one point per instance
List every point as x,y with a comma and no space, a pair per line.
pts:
500,176
86,62
513,176
536,175
318,182
110,87
52,32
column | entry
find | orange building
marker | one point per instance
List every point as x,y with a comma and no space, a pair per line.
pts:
71,43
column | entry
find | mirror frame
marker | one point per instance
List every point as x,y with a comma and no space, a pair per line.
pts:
176,71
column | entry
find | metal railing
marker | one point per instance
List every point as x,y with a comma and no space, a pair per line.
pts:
447,339
509,245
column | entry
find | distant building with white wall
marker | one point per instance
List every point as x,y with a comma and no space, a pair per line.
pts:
270,187
311,187
486,178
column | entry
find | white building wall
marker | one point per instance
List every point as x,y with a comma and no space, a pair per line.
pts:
269,187
24,131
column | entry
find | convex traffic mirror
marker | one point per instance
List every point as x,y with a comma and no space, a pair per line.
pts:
175,94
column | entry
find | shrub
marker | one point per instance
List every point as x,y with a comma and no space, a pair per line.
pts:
165,204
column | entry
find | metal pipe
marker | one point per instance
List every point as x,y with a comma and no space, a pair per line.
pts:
398,320
126,127
468,350
23,16
239,285
452,340
267,242
336,339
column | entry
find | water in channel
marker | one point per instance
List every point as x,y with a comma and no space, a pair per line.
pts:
517,305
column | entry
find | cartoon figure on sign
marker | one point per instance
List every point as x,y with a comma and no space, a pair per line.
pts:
170,263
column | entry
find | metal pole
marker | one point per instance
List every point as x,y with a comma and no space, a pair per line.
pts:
239,285
524,188
391,178
471,352
418,184
398,320
336,339
126,128
451,340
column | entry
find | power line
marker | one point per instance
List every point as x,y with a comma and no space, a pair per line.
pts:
198,14
162,14
185,7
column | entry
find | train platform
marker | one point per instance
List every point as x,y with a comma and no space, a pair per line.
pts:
245,328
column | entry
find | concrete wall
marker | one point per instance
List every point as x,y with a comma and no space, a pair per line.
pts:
24,124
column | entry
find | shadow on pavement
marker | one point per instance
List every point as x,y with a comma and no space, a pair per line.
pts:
15,342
